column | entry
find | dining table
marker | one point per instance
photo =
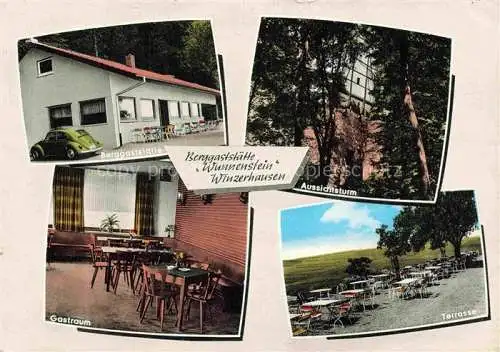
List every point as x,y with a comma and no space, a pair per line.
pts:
183,277
422,274
111,254
329,304
321,291
359,282
407,285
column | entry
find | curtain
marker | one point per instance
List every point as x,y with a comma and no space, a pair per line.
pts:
93,107
68,198
144,205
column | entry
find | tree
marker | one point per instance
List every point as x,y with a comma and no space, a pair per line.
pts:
297,83
452,218
198,54
184,49
359,267
395,244
411,94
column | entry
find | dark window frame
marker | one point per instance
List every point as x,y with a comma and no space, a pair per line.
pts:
82,116
52,120
38,67
135,109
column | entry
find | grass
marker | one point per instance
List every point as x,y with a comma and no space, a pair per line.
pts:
327,270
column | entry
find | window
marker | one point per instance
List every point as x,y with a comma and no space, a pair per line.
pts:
358,80
184,109
44,67
194,110
127,108
93,112
60,116
173,109
147,109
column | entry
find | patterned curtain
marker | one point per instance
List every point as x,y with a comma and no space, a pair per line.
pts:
144,205
68,198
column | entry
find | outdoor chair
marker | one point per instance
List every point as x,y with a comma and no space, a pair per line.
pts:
421,287
205,297
368,296
397,292
340,287
158,286
150,134
138,135
169,131
343,311
301,324
314,316
303,297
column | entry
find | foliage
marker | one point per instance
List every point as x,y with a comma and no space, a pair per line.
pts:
359,266
198,59
110,223
452,218
298,80
184,49
408,59
395,244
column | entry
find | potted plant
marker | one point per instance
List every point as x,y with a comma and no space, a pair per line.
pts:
110,223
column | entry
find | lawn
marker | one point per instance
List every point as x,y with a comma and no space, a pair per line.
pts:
327,270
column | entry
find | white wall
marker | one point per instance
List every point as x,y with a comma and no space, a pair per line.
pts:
166,202
155,91
71,82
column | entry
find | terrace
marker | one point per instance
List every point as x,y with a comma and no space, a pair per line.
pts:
432,292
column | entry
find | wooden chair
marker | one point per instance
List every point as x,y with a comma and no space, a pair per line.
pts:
204,297
198,286
159,286
98,262
169,131
124,264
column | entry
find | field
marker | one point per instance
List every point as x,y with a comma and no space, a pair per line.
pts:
328,270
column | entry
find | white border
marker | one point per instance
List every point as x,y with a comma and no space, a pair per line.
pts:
446,323
145,147
175,336
446,132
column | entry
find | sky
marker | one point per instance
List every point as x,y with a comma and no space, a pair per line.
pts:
336,226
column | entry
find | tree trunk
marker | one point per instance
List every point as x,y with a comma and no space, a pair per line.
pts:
442,250
302,89
412,116
456,248
396,267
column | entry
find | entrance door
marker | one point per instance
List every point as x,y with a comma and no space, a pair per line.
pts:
164,120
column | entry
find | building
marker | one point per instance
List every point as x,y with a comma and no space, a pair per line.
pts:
359,83
61,87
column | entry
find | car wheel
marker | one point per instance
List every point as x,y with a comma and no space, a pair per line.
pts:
35,154
70,153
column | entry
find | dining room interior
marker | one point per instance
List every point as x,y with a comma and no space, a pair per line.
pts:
130,248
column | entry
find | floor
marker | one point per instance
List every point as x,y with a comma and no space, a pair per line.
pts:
68,294
141,149
462,292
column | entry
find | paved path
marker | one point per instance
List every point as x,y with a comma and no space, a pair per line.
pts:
141,150
462,292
